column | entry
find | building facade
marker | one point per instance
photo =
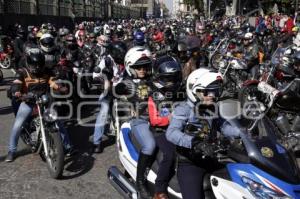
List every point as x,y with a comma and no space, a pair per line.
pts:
146,7
70,8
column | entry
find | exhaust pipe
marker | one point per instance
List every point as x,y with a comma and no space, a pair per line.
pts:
121,183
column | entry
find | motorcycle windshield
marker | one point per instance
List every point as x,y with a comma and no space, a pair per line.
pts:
266,153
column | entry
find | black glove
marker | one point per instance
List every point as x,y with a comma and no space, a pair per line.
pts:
108,62
126,87
199,146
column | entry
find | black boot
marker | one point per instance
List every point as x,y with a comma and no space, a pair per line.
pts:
141,179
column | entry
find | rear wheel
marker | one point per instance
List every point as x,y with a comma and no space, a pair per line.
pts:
55,161
5,62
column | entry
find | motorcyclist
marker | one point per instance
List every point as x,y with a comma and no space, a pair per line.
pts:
112,66
19,46
166,91
33,78
50,50
136,87
250,53
203,89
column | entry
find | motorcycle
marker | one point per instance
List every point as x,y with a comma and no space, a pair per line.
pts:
234,71
42,134
250,166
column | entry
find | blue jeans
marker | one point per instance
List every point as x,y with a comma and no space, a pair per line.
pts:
101,119
24,112
141,131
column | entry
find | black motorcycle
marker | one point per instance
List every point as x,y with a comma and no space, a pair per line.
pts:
42,134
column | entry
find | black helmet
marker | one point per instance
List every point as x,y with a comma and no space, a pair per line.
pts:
20,32
71,42
182,51
31,37
118,51
35,61
167,74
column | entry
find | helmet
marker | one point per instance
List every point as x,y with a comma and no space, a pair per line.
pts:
119,27
47,42
20,32
137,56
143,29
203,80
35,61
158,37
139,38
103,40
248,36
200,29
107,32
63,32
182,51
167,74
118,51
71,42
296,40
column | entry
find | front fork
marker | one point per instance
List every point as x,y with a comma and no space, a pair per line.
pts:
43,133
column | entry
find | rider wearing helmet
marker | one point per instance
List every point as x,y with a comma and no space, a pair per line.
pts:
33,78
136,87
50,50
203,89
139,38
166,86
18,46
112,66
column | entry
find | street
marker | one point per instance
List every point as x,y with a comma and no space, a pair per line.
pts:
84,176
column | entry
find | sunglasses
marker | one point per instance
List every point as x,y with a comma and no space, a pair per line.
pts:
214,92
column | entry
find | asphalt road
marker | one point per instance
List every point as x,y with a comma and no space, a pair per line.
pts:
84,175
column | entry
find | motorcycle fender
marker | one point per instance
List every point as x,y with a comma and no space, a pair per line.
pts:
227,189
250,82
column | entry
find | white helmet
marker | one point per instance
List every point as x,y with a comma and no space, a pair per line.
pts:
248,36
200,80
119,27
137,56
107,32
296,40
47,42
143,29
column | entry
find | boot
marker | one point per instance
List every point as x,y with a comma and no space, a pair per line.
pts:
141,179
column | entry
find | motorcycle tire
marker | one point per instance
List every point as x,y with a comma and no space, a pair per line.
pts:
55,161
1,76
6,62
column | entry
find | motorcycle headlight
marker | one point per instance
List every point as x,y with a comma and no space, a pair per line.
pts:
261,191
50,115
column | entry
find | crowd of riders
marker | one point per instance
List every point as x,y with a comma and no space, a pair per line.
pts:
152,64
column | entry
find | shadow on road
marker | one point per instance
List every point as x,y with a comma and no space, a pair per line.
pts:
77,166
6,110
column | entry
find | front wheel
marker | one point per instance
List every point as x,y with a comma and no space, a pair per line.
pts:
1,76
55,160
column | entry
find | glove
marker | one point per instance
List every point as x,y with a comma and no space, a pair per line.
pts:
108,62
199,146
